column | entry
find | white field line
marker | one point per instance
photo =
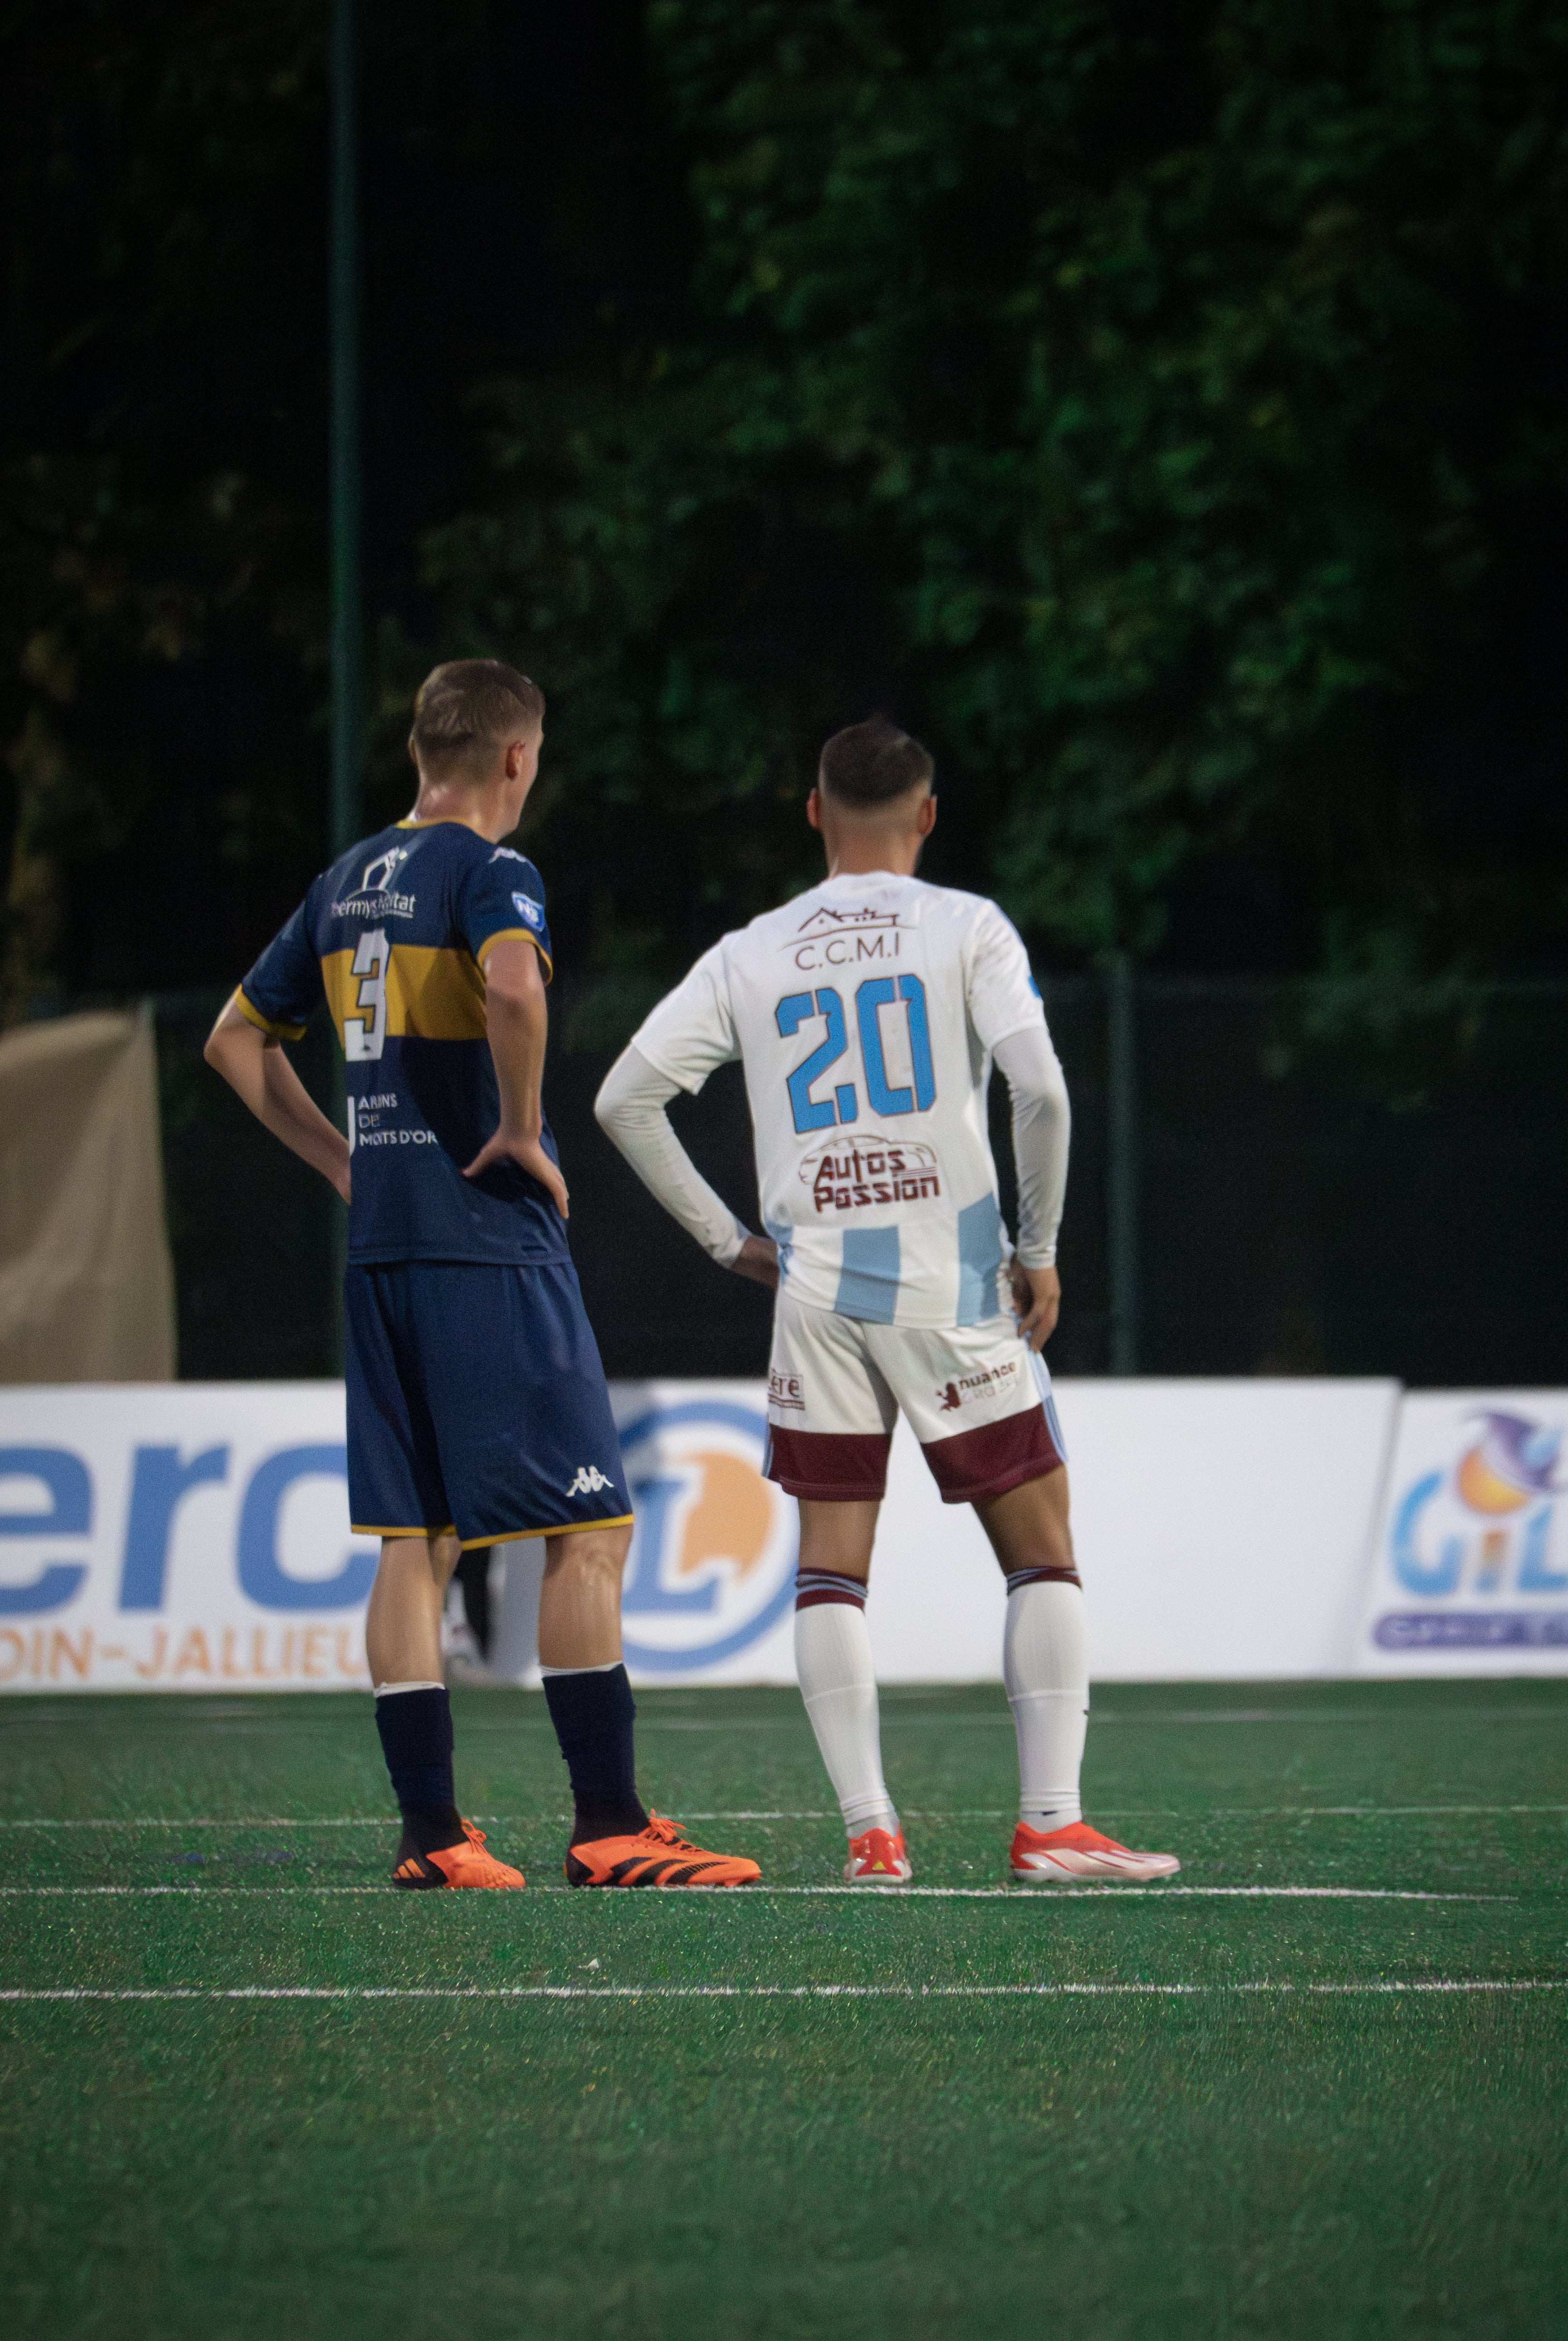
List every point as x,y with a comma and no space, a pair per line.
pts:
1111,1889
1442,1984
910,1812
257,1722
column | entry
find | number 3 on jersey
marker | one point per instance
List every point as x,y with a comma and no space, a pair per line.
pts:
877,993
364,1035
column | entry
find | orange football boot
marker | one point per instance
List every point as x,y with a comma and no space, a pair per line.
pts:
467,1864
656,1855
878,1858
1078,1855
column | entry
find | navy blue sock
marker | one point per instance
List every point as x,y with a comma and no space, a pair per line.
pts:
592,1714
415,1728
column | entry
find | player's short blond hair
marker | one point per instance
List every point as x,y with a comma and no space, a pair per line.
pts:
469,705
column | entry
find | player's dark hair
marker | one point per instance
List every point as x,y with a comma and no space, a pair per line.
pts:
469,704
870,764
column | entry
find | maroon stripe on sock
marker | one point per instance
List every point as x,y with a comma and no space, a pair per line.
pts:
812,1597
829,1466
992,1458
1022,1576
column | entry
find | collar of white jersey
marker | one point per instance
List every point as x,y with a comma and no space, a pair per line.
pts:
880,894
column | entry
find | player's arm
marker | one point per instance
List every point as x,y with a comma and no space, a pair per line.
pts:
630,1109
517,1024
1042,1132
253,1064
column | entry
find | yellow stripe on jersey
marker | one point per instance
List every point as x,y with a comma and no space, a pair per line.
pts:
517,935
422,993
264,1024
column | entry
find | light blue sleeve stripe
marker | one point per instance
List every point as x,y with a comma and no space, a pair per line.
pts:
781,1232
979,1259
869,1280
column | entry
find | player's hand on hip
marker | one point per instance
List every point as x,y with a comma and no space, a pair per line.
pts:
529,1155
1037,1295
758,1259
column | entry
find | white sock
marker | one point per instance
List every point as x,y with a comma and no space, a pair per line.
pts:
839,1685
1045,1665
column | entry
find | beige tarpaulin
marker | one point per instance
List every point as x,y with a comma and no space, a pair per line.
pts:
87,1287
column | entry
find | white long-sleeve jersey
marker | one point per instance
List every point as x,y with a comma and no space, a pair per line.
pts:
866,1015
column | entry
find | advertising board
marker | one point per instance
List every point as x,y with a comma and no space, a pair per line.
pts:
1469,1567
195,1537
182,1536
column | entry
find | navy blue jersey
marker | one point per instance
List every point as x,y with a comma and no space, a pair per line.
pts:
396,934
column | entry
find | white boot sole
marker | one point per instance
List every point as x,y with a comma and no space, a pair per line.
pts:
1092,1869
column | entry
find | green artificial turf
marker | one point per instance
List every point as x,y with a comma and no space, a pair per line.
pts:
724,2146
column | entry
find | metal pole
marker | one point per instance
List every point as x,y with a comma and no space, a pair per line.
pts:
344,802
347,606
1122,1183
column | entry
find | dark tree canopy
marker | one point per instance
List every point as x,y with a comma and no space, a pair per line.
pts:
1155,405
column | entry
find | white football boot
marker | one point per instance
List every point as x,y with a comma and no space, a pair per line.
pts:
1078,1855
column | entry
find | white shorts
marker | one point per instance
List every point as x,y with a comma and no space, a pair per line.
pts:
977,1396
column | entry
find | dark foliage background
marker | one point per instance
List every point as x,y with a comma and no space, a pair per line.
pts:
1156,404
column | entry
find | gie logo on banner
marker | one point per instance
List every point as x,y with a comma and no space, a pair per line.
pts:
1472,1558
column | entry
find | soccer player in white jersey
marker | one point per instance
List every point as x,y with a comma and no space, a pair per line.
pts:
867,1014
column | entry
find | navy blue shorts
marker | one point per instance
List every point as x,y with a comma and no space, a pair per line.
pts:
476,1402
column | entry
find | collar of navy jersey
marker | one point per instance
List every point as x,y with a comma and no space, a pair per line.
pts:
384,900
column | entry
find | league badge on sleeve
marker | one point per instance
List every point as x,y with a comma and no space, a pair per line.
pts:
529,912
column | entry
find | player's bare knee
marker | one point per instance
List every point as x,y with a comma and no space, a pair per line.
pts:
588,1553
1029,1526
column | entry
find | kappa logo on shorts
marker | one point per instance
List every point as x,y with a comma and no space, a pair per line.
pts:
589,1480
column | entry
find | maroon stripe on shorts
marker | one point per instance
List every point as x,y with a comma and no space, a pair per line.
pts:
829,1466
992,1458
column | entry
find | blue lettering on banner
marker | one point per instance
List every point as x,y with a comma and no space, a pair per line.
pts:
1472,1630
262,1575
1441,1576
1534,1577
70,1513
645,1593
657,1497
160,1483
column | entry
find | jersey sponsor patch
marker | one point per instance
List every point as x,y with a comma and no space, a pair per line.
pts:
990,1378
830,937
878,1171
527,911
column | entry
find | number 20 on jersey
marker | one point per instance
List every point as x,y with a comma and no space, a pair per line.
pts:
878,992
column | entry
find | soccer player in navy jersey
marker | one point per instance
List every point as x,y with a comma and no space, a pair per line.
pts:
477,1407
